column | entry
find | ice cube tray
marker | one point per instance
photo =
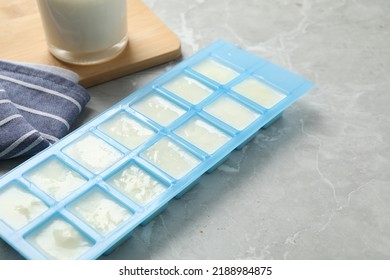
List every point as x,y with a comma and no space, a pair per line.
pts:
84,195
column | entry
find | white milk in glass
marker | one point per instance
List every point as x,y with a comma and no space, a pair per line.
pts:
100,212
159,109
18,207
231,112
203,135
93,153
137,185
84,31
258,92
188,89
216,71
127,131
171,158
60,240
55,178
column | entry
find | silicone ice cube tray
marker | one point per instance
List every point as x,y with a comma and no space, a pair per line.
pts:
82,196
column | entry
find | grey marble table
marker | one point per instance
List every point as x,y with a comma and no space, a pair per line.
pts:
316,184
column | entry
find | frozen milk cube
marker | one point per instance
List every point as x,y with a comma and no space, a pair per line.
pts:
136,184
188,89
93,153
100,211
18,206
127,131
159,109
231,112
203,135
60,240
171,158
215,71
55,178
258,92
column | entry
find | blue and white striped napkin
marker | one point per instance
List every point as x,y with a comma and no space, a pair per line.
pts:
38,105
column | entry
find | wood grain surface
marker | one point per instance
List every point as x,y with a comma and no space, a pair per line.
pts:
151,42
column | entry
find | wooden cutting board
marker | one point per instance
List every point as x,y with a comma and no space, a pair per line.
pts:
151,42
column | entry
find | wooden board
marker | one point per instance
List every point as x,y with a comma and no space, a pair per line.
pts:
151,42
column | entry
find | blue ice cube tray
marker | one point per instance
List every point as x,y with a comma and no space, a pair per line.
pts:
222,94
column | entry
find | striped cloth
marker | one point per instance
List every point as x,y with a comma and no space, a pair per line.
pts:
38,105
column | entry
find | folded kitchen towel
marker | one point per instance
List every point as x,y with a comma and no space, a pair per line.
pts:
38,104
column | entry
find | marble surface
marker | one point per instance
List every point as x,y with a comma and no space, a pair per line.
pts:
316,184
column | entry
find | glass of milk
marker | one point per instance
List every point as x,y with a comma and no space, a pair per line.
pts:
84,31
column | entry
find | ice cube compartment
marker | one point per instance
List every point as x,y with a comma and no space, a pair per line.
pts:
89,191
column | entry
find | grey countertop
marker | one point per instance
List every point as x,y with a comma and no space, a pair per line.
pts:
314,185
